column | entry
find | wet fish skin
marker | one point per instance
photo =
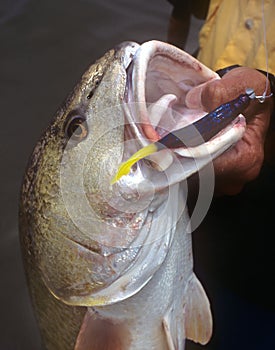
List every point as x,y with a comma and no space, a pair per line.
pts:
40,198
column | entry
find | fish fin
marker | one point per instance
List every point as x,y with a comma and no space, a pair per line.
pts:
198,318
167,330
174,332
99,333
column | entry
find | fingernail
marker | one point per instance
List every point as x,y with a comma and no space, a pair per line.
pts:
193,98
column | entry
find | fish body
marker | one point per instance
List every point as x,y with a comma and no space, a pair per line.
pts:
157,317
110,266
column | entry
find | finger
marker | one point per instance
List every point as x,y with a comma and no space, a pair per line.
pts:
193,97
241,163
211,94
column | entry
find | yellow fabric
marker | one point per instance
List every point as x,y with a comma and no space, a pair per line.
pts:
233,34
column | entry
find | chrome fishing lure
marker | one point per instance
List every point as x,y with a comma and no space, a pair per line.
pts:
194,134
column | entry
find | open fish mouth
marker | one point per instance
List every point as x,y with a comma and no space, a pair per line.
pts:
159,78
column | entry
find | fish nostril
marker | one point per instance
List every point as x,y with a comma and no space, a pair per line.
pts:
95,85
90,95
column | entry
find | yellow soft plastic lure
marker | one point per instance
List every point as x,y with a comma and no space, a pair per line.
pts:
125,167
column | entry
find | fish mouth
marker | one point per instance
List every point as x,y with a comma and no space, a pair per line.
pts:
159,78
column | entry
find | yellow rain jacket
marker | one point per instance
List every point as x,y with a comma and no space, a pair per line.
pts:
234,34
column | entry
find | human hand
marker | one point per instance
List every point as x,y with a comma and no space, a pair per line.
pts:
242,162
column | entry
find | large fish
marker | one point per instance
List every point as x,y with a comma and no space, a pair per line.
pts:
110,266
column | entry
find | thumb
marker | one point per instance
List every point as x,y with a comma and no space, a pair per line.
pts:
208,95
213,93
193,97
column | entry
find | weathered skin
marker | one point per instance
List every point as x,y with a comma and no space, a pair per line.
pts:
115,270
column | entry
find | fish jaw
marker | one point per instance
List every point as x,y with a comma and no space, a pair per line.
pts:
158,82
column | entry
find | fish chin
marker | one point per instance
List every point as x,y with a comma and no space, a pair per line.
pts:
158,81
134,266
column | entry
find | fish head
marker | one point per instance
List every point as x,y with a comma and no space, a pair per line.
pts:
67,183
95,243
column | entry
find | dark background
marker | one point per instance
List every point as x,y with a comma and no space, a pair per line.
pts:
45,46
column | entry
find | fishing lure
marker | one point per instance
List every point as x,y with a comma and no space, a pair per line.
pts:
194,134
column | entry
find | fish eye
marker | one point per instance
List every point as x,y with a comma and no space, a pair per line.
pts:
76,128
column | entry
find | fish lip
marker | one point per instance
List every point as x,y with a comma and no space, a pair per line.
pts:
126,50
137,119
